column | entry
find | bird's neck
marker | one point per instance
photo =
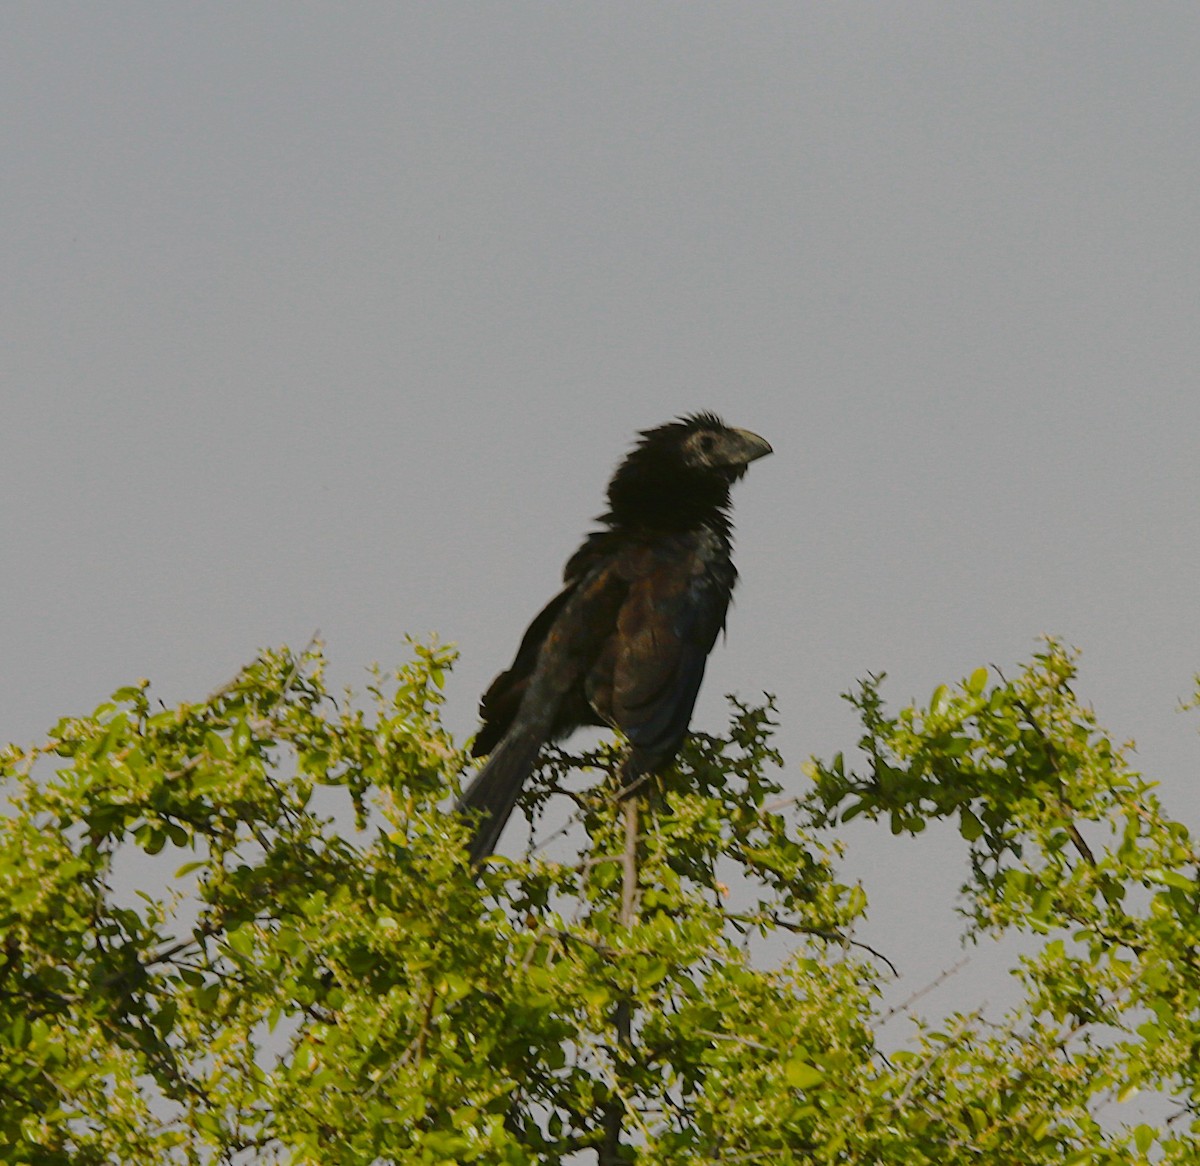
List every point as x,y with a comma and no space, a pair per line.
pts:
653,498
650,521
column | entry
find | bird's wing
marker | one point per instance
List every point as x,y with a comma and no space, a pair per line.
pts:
589,592
559,650
669,621
499,705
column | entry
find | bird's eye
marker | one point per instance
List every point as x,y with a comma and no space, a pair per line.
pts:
707,442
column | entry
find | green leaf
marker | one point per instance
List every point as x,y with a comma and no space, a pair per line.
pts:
150,838
970,827
802,1073
240,738
242,940
1174,878
939,701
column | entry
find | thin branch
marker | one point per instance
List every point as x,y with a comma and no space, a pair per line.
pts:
610,1151
629,860
933,984
818,932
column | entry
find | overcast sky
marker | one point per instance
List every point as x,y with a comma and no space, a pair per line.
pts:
338,317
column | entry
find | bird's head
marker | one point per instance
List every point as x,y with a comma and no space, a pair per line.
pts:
708,446
680,473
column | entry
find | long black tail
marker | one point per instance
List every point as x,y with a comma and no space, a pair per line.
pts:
494,792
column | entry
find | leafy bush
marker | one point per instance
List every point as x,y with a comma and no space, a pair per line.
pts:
293,985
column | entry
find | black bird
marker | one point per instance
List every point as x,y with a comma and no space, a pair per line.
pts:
625,642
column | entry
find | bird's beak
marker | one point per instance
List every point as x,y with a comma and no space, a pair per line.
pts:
752,447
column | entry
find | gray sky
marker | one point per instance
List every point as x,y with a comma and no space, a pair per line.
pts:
339,317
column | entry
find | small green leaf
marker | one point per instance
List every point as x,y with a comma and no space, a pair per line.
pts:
1173,878
970,827
150,838
240,738
802,1074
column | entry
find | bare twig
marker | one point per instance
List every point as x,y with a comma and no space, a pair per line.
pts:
933,984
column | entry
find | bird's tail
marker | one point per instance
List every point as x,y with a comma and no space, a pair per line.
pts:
493,794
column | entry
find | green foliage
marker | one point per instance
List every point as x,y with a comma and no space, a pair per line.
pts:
298,985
